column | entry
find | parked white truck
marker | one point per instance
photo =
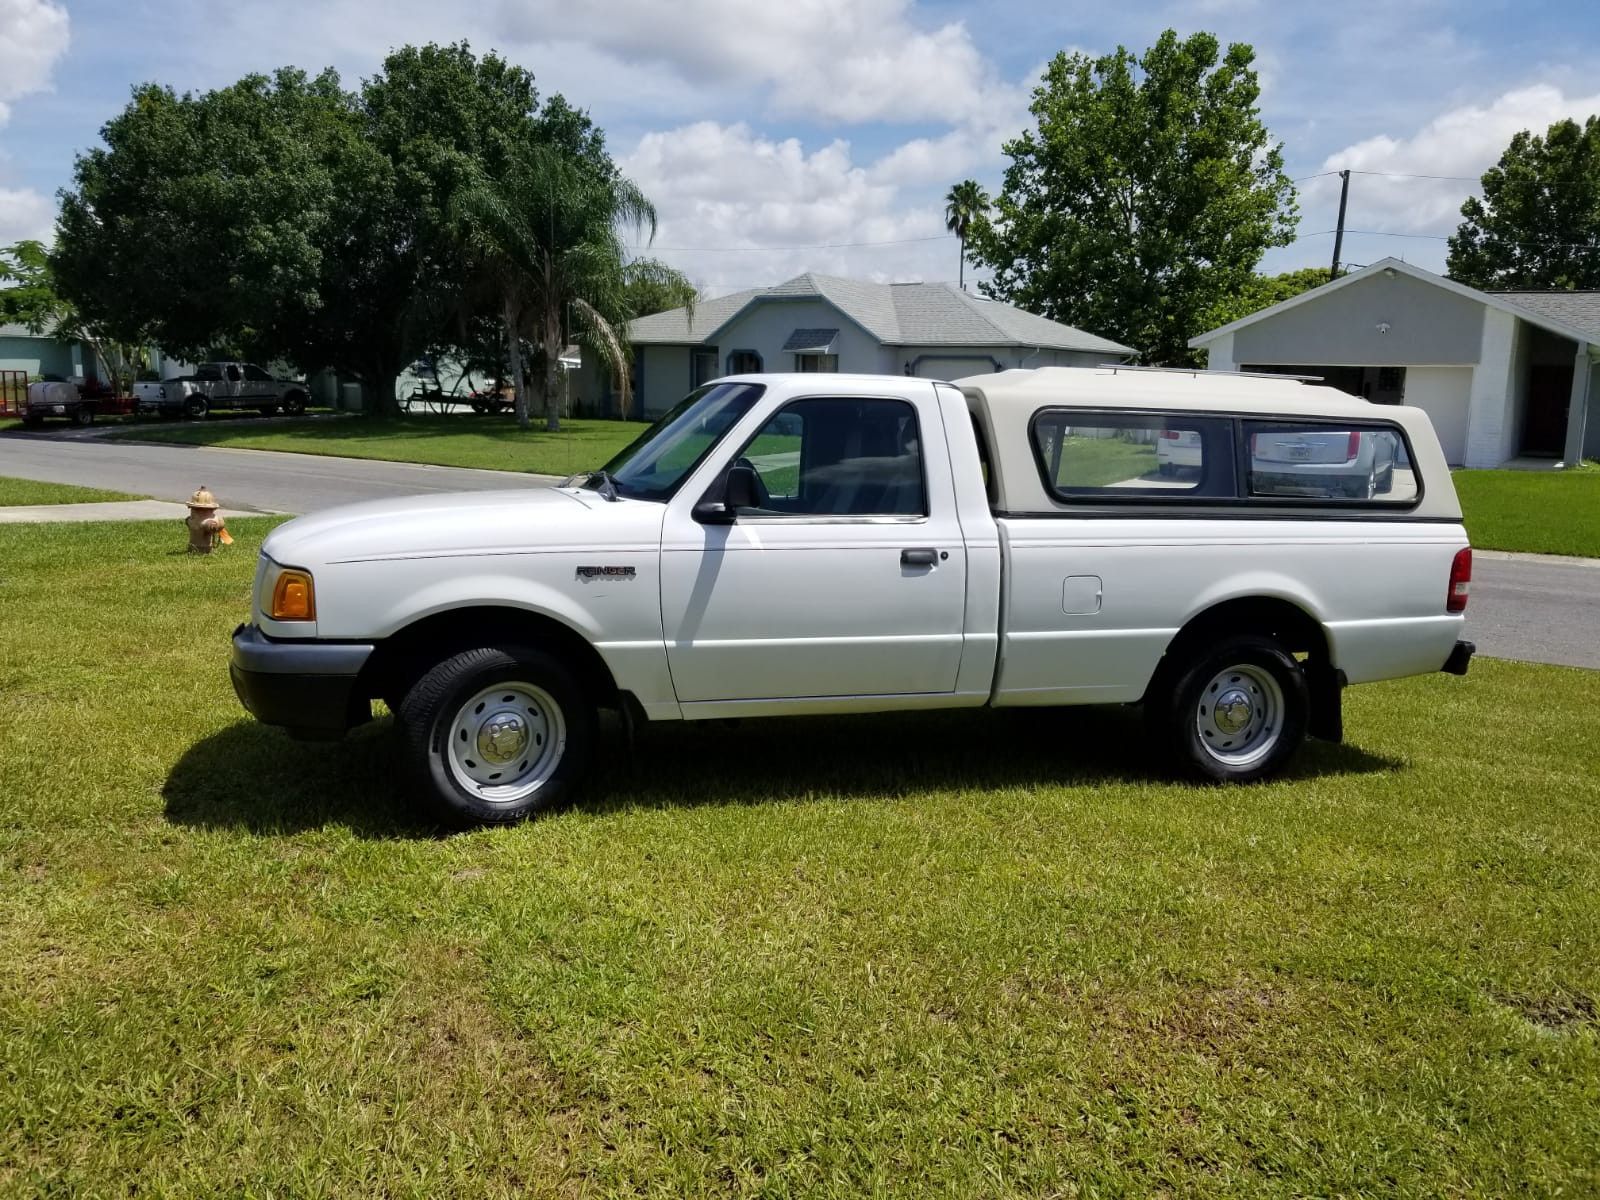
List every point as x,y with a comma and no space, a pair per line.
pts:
782,544
221,385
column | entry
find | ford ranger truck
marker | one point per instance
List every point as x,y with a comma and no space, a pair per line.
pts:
787,544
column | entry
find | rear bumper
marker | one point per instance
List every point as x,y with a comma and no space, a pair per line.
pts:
1460,658
309,688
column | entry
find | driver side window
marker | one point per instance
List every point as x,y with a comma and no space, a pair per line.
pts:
839,457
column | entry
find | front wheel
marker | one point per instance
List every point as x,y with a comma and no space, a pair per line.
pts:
496,734
294,404
1238,712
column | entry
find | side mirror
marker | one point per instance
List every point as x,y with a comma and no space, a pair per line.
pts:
713,512
742,489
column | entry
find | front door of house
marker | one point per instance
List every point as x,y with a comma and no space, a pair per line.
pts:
1544,420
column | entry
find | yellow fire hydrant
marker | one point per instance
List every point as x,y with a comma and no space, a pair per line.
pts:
206,528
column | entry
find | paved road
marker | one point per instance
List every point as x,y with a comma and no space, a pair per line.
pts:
1538,610
262,480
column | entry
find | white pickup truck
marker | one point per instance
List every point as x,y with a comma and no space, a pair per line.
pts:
221,385
783,544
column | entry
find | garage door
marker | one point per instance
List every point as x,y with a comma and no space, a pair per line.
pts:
1444,394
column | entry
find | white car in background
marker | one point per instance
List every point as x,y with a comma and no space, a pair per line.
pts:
1337,462
1177,450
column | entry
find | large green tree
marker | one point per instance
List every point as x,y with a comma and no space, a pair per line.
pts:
1263,291
291,218
1537,224
1146,193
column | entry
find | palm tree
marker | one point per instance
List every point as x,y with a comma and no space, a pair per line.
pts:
544,236
965,203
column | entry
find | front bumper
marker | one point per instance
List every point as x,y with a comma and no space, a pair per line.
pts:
1460,658
309,688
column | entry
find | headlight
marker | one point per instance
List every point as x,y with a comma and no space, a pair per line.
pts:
293,597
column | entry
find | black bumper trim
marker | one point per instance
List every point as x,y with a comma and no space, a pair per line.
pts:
1460,658
308,688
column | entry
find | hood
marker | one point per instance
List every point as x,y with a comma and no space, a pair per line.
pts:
451,524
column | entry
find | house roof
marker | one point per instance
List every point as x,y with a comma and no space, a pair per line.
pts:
1577,310
1548,316
896,314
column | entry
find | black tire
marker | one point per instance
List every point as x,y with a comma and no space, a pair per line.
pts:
196,407
1190,724
32,422
294,404
434,711
83,415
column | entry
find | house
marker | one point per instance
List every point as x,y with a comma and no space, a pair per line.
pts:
1502,375
824,323
36,354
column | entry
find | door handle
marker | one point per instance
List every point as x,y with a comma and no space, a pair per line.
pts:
918,558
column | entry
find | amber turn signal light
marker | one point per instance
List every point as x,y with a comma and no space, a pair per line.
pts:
292,598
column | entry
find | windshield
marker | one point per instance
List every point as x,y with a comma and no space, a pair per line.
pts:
663,456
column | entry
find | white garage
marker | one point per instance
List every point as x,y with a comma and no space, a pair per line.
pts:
1502,375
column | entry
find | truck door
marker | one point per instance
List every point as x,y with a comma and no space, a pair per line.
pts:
231,388
258,385
846,577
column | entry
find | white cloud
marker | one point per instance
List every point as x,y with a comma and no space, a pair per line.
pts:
25,213
727,187
34,34
1460,143
840,60
1463,142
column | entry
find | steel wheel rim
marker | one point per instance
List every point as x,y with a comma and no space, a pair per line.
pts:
1239,716
505,742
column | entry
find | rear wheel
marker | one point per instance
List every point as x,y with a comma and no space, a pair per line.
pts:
83,415
496,734
1238,710
196,407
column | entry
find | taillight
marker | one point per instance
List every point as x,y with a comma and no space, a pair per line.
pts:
1170,435
1355,444
1460,582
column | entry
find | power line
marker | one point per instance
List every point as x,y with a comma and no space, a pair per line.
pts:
1445,237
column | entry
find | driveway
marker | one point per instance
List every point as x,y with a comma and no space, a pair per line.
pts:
261,480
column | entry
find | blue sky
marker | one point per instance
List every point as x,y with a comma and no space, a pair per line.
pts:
771,135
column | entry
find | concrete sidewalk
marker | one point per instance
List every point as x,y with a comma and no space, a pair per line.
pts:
110,510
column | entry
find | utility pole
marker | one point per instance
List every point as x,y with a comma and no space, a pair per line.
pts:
1338,233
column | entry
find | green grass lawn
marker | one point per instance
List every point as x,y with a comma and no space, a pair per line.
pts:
1540,512
27,491
985,954
455,440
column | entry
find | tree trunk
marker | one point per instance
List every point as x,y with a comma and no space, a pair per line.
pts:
514,353
552,370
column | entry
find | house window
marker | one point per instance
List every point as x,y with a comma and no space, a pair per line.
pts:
744,362
702,365
817,364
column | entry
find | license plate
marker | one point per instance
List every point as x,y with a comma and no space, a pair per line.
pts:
1299,452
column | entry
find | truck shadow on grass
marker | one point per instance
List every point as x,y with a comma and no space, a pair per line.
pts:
254,778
